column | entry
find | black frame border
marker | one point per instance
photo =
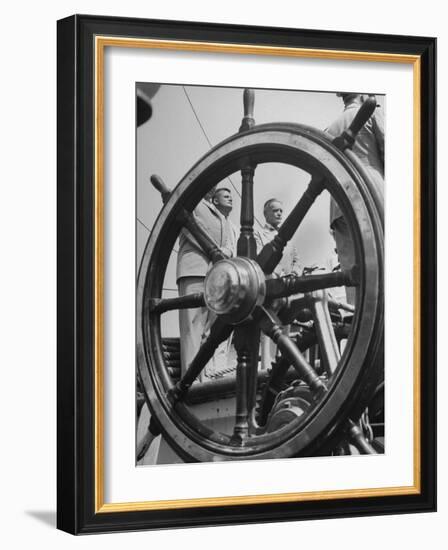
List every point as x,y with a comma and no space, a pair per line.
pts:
76,263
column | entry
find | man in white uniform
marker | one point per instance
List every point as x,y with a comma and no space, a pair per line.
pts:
193,264
289,264
273,213
369,147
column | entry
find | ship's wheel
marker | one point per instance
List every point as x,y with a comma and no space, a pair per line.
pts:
244,297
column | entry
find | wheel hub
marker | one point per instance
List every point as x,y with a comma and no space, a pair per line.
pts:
233,288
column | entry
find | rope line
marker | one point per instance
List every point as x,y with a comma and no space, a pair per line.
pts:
145,226
210,145
149,231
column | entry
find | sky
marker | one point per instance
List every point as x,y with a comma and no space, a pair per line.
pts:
188,120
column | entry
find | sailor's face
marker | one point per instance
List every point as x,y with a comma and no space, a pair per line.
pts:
274,214
224,199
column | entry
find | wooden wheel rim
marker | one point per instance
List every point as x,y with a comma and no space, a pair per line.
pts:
307,149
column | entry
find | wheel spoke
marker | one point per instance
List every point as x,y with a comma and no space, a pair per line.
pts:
200,234
246,378
252,385
270,325
152,432
357,438
272,252
248,121
160,305
273,387
218,333
292,284
347,139
326,337
335,306
246,243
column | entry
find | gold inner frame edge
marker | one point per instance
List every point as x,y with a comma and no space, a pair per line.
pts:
100,43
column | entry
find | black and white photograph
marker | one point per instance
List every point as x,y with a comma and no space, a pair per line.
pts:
260,273
220,302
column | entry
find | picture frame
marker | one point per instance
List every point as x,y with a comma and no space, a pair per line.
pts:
82,203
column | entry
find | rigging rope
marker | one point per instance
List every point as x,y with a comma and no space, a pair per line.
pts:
210,144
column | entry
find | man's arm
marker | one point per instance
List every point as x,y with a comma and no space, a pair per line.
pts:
258,240
340,124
